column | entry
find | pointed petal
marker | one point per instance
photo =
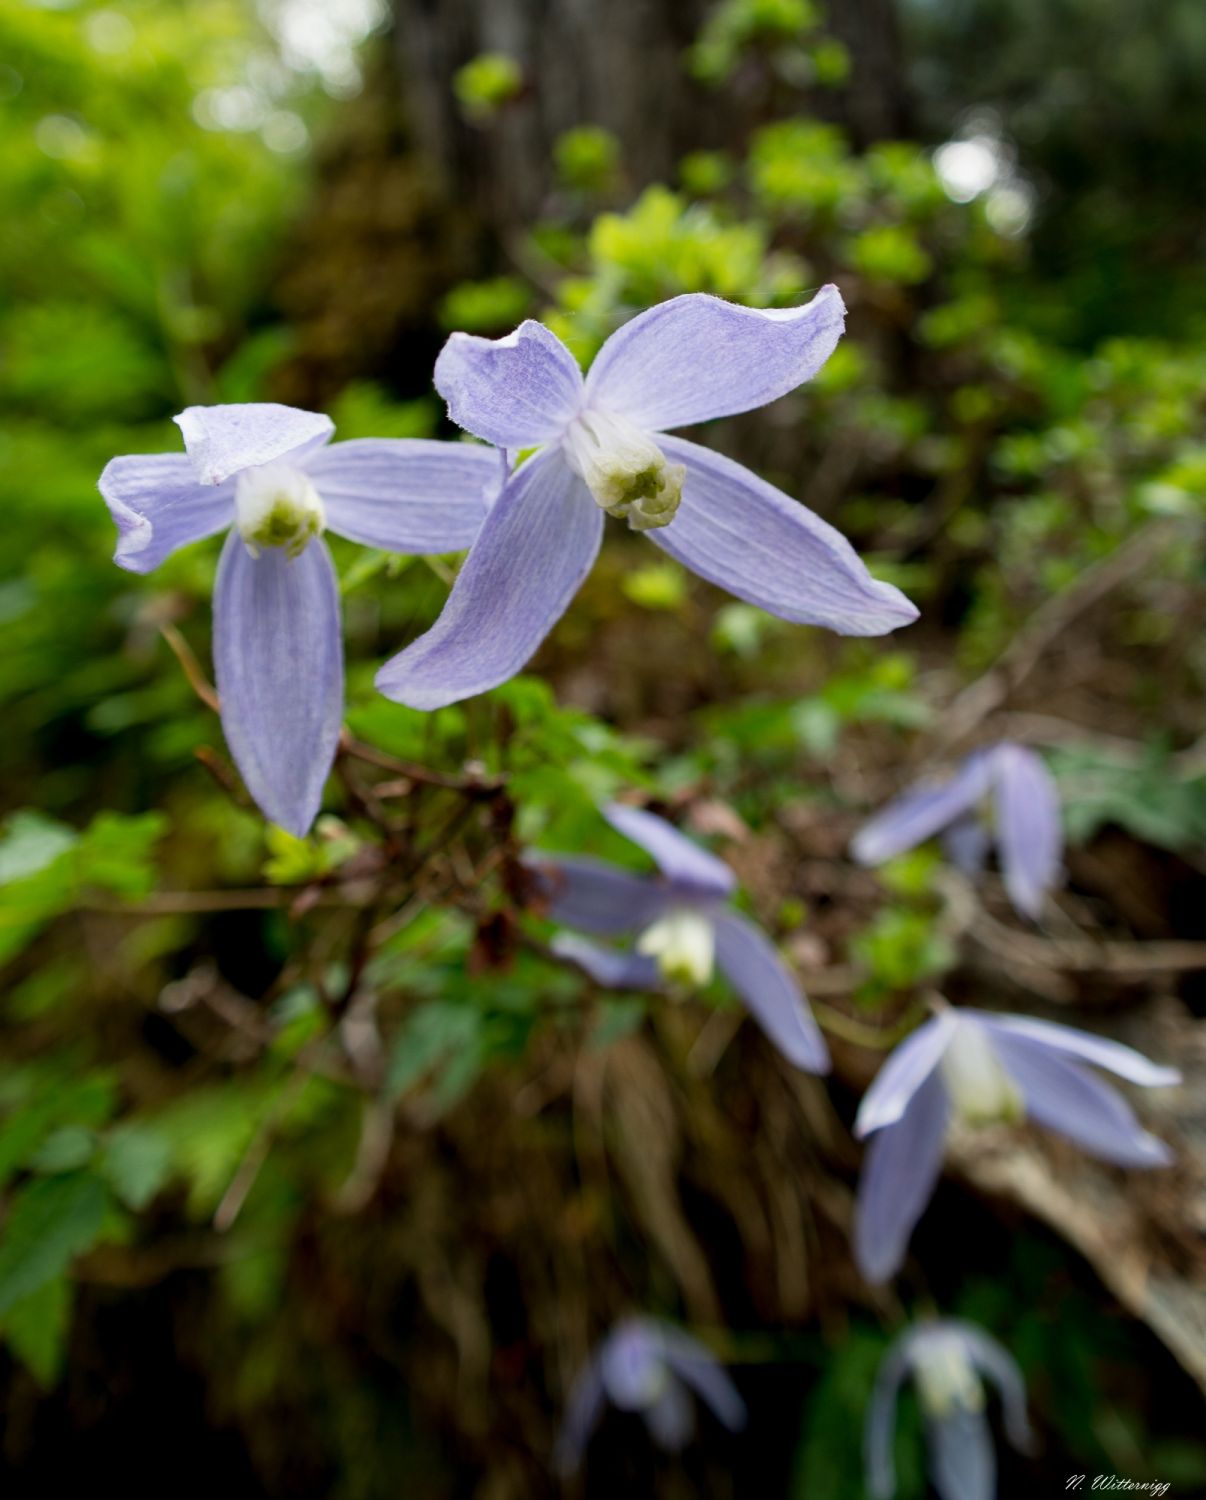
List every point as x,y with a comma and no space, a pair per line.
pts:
595,896
278,658
966,843
157,505
405,494
536,545
743,535
995,1361
962,1462
771,992
908,1067
587,1399
920,813
221,440
1029,833
699,1368
1101,1051
670,1420
515,392
900,1170
612,968
679,858
1067,1098
696,357
879,1428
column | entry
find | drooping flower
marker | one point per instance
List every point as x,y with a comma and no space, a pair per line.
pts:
684,923
974,1068
1025,823
264,471
946,1358
605,450
649,1367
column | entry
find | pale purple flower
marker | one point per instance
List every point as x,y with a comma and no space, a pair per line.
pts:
605,449
649,1367
981,1069
946,1359
264,473
685,925
1014,783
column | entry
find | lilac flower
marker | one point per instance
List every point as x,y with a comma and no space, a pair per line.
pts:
264,471
685,925
946,1359
647,1366
981,1069
1027,824
604,449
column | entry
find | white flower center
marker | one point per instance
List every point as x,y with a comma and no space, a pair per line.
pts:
982,1092
683,944
946,1378
277,506
624,469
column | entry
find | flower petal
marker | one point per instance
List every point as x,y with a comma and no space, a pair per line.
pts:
1067,1098
962,1462
536,545
771,992
921,812
278,656
612,968
679,858
910,1064
966,843
670,1420
405,494
1101,1051
699,1368
900,1170
995,1361
879,1428
595,896
696,357
1029,833
743,535
221,440
157,505
515,392
587,1399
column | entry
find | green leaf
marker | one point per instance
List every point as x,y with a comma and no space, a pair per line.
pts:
136,1161
36,1328
48,1223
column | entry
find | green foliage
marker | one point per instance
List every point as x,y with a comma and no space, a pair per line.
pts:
486,83
587,159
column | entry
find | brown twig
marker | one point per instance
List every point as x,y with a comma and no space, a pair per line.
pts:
191,667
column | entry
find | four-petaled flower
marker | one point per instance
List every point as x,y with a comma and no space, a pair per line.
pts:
647,1366
604,448
265,472
1027,822
946,1359
685,924
981,1069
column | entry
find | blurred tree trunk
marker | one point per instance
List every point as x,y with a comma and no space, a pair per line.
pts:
614,63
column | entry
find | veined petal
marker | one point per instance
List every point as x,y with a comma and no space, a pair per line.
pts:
900,1170
1067,1098
743,535
771,992
679,858
595,896
908,1067
921,812
696,357
962,1462
278,658
995,1361
699,1368
966,843
879,1428
536,545
221,440
669,1417
1029,833
515,392
612,968
1101,1051
157,505
405,494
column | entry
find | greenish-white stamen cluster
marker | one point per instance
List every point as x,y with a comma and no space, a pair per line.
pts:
684,945
980,1089
624,470
277,506
946,1378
